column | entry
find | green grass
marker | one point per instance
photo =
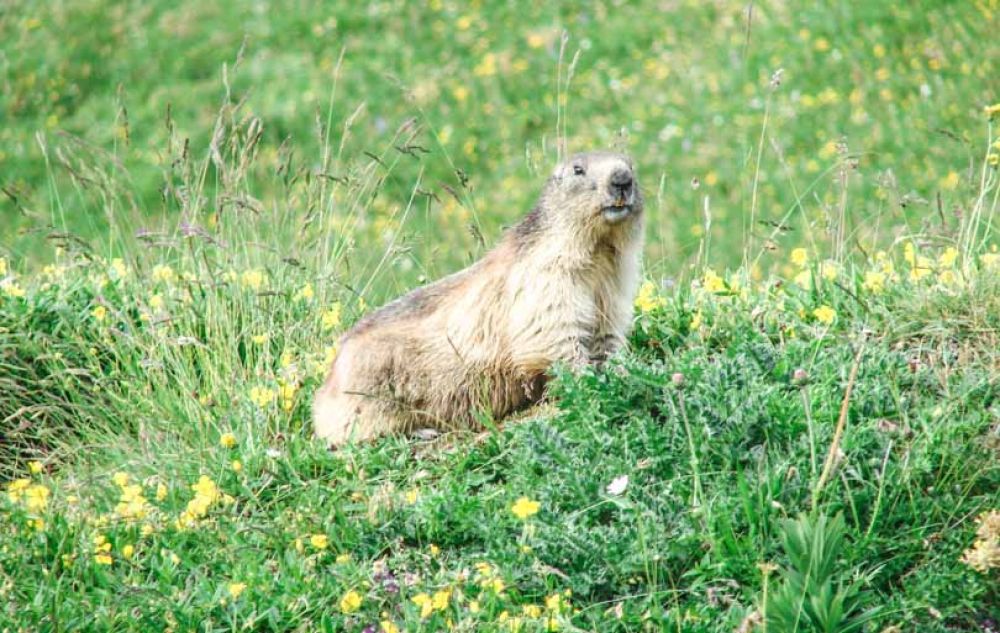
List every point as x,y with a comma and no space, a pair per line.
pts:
808,435
902,85
720,435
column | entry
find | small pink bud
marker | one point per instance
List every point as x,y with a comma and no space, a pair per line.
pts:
677,379
799,375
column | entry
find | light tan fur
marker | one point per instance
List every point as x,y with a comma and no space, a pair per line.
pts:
558,287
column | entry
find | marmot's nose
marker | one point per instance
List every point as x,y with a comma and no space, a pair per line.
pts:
621,181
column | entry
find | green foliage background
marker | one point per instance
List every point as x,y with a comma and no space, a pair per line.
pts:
684,86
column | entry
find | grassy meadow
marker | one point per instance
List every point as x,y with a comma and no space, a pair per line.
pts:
196,199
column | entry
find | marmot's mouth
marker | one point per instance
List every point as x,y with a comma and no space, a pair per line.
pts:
616,211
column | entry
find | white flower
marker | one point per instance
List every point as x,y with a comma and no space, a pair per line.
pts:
617,485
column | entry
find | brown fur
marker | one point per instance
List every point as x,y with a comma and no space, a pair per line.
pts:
557,288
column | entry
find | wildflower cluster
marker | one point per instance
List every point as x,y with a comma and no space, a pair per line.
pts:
984,554
647,299
9,286
207,495
132,506
102,550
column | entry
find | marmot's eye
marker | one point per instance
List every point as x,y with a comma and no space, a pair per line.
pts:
578,170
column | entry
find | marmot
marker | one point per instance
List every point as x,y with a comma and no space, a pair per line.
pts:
559,287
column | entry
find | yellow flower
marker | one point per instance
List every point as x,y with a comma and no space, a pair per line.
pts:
228,440
319,541
647,299
99,313
531,610
132,504
342,559
120,479
524,508
351,602
262,396
874,281
128,550
236,465
236,588
53,272
825,314
829,270
103,559
12,289
950,181
712,282
36,497
553,603
511,623
992,110
305,293
161,491
474,606
162,273
206,494
948,257
412,495
434,549
205,487
423,601
948,278
3,266
921,268
34,467
118,268
329,355
331,316
259,339
388,627
487,67
800,257
286,391
696,320
254,278
440,599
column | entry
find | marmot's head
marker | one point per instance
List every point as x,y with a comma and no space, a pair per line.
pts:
595,190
